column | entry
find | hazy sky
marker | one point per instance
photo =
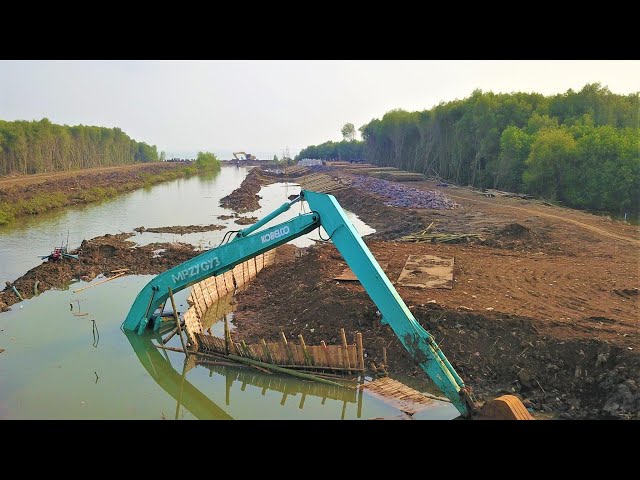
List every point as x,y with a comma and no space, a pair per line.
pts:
265,106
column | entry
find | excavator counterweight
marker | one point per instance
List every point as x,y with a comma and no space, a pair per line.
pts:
325,212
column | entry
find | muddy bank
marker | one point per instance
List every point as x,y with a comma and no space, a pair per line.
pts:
97,256
245,198
246,220
494,352
80,187
181,230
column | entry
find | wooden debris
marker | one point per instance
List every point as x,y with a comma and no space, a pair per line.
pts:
404,398
100,283
427,271
440,237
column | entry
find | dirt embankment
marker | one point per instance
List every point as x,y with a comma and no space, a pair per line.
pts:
544,304
245,198
181,230
25,195
580,376
96,256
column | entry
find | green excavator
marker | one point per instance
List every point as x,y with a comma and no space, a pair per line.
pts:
325,212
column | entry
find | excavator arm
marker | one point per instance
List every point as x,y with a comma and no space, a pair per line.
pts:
325,212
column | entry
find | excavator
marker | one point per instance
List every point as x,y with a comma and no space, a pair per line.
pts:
247,156
326,212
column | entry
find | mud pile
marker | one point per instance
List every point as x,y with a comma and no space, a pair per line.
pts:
181,230
495,353
514,236
97,256
245,198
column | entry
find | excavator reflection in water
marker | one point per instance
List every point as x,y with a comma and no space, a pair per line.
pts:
356,404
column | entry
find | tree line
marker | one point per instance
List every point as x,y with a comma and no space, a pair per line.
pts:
41,146
348,150
581,148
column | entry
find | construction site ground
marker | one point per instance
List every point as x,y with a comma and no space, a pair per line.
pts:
545,304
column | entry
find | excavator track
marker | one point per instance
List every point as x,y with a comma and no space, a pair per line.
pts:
506,407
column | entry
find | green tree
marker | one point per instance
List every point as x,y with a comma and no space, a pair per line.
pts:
207,162
348,132
550,163
163,156
275,158
487,139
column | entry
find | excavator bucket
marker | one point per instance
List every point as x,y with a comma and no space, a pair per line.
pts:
506,407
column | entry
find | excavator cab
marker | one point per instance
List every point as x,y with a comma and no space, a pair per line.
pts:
325,211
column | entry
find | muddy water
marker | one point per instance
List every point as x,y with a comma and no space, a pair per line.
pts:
56,366
170,203
63,363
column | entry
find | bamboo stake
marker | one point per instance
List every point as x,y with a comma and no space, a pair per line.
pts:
293,373
100,282
287,349
245,349
175,315
345,350
325,350
265,347
307,357
227,335
360,350
384,356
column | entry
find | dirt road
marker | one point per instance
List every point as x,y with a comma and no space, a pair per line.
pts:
21,180
607,228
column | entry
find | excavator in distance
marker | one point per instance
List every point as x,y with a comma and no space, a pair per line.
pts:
325,211
247,156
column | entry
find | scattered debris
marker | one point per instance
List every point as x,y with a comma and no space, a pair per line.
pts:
401,196
441,237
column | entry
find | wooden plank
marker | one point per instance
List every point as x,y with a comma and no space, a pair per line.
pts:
237,276
269,257
344,347
221,286
360,350
200,299
245,272
251,264
210,285
205,294
427,271
399,395
228,281
259,262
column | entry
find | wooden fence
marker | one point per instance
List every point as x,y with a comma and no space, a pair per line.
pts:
210,300
343,357
216,290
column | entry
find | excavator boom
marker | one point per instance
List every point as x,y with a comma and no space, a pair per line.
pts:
325,212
